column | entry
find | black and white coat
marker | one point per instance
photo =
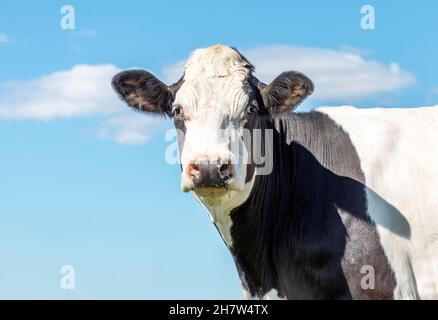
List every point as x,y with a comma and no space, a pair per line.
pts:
352,192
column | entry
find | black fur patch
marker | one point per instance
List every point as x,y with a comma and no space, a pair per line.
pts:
304,230
286,92
143,91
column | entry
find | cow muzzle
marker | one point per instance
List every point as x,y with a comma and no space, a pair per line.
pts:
212,176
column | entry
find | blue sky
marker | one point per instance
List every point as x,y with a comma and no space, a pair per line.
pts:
84,182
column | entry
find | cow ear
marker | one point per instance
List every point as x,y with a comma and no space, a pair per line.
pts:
143,91
286,91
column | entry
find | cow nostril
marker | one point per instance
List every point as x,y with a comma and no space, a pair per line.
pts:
225,171
193,170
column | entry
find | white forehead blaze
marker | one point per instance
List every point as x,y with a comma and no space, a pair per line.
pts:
215,82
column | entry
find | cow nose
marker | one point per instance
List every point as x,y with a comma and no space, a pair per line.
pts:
210,174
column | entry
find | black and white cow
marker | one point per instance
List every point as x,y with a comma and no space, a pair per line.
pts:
352,192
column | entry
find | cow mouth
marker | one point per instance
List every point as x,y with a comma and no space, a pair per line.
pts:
211,192
211,189
216,191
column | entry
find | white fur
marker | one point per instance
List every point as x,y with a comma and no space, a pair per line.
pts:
214,97
398,150
271,295
219,209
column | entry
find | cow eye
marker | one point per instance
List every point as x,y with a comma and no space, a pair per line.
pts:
252,109
177,111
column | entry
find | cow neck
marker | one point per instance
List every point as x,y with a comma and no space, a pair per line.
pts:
283,211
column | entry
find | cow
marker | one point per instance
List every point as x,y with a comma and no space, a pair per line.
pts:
349,206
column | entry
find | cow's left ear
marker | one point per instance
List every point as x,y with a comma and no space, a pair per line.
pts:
286,91
143,91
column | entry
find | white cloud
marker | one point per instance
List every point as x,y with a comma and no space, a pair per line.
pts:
84,90
339,75
81,91
4,38
130,127
173,72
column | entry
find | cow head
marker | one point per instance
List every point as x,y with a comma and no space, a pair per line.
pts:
216,101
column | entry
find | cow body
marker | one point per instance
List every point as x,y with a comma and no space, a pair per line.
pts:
321,221
347,211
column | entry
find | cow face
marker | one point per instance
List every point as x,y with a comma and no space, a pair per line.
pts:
215,107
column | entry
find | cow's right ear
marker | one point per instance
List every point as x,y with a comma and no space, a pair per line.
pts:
143,91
